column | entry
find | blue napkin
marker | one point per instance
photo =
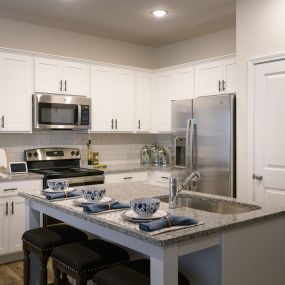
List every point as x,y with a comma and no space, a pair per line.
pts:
100,207
168,221
58,195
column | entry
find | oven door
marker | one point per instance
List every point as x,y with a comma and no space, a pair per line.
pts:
59,112
73,182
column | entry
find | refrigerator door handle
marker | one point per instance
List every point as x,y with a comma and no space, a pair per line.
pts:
187,147
190,162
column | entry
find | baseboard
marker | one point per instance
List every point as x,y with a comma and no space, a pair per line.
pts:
10,257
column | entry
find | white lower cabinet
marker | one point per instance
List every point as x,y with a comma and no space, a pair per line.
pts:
12,217
126,177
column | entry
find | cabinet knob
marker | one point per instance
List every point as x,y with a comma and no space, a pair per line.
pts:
258,177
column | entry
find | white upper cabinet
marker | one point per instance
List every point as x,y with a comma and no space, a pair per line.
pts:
176,84
61,77
143,102
215,77
16,73
113,99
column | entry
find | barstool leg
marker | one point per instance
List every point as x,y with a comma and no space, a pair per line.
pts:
43,277
26,265
56,274
64,278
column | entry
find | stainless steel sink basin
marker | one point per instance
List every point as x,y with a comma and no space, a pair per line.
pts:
213,206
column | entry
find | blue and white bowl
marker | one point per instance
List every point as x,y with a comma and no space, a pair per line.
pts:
145,207
93,194
58,184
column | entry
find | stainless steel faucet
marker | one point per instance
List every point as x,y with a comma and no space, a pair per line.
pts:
174,190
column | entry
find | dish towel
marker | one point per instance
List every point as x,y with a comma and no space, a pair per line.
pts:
58,195
167,221
100,207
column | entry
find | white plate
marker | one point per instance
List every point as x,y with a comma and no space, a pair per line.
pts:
67,190
133,217
82,201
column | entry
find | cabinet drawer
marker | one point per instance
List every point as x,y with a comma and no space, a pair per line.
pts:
159,177
14,187
126,177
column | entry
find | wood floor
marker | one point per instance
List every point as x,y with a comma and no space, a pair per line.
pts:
12,273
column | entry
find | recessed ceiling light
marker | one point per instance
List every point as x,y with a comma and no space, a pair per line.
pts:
159,13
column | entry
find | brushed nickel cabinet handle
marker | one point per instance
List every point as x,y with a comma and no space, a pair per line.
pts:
220,86
224,85
12,204
258,177
65,85
6,208
10,189
139,124
128,178
112,124
164,177
116,124
60,85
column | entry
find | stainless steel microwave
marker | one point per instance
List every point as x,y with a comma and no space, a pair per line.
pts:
61,112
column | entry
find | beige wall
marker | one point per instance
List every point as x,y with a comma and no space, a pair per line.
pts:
37,38
260,31
208,46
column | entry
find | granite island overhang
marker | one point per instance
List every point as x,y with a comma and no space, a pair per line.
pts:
234,236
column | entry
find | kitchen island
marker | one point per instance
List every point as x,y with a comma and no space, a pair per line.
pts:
213,252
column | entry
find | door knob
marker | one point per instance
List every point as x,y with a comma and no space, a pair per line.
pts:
258,177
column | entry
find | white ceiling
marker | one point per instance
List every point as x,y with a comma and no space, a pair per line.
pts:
126,20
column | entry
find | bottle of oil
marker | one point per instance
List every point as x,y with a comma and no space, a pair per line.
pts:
89,153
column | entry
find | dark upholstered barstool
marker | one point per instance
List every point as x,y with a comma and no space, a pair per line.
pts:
132,273
83,259
42,241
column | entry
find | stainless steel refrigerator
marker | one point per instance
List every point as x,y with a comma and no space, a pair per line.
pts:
203,140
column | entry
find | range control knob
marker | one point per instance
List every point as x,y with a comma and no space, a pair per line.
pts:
30,154
73,153
77,153
36,154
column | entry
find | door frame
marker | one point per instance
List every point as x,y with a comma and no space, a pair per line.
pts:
251,64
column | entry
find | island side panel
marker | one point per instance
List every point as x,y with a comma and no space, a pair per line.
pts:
254,254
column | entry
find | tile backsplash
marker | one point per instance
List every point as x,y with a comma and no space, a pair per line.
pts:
112,148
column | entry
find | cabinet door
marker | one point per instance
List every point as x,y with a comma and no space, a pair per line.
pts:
102,88
48,75
16,223
143,102
229,75
75,78
16,83
4,247
208,79
165,93
124,99
184,83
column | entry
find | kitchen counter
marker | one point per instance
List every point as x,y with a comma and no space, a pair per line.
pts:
17,177
119,168
220,242
212,222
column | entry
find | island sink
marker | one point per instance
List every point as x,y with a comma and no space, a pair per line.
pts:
213,206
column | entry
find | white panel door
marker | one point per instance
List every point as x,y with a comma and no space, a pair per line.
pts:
16,223
75,78
208,79
48,76
16,94
124,99
165,93
229,76
143,102
184,83
4,215
102,89
269,126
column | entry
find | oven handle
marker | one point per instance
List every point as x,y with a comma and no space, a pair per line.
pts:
79,115
94,178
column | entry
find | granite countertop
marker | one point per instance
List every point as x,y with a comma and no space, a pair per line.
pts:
16,177
119,168
211,222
